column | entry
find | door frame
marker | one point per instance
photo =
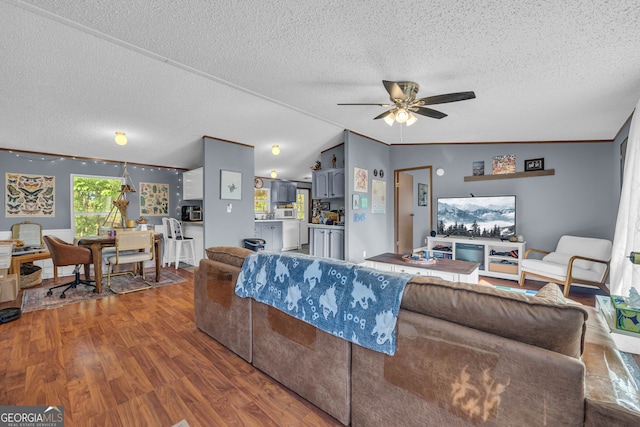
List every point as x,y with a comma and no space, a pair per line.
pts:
396,185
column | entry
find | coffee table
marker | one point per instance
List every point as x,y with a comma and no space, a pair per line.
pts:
448,269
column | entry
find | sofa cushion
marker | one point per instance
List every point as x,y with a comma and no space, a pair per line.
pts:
559,271
556,327
228,254
552,294
563,259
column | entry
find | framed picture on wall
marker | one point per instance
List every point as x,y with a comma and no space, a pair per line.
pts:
230,185
533,165
423,194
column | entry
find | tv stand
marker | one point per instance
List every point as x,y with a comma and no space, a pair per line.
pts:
498,258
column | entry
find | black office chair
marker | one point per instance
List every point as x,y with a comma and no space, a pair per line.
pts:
62,254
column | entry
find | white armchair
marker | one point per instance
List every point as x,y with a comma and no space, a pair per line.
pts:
576,260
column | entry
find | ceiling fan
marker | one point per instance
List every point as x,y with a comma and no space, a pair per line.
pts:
405,104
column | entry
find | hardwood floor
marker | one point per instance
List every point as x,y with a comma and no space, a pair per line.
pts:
138,359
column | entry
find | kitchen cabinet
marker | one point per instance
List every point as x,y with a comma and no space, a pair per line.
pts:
271,233
192,184
290,234
327,242
195,231
283,192
328,184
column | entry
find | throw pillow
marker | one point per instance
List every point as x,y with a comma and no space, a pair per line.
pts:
551,293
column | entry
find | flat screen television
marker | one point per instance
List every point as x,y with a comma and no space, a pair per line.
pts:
483,216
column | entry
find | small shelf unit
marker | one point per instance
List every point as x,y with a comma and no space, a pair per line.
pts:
497,258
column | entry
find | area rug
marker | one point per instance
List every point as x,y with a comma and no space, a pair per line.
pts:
37,299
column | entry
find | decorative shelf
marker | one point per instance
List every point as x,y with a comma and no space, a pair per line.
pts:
510,175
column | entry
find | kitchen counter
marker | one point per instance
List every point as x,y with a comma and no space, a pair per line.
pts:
336,227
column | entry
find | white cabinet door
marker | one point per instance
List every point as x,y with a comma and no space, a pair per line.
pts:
192,184
290,234
336,244
318,237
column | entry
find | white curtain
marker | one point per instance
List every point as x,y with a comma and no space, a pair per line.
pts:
624,274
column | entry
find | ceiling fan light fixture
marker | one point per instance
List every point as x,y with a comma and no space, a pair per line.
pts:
402,115
390,118
120,138
274,174
275,150
412,119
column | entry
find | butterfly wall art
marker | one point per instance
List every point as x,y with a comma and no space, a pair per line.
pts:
29,195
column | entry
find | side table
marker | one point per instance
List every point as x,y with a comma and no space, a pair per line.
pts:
628,342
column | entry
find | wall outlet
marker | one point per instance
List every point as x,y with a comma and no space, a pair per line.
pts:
364,254
229,206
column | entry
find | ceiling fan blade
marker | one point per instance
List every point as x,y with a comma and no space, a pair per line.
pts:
449,97
429,112
379,105
394,90
383,115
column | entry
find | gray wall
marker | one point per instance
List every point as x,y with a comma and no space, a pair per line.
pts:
63,167
580,199
222,228
375,234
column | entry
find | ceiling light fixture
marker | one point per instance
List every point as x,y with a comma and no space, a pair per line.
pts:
275,150
390,118
402,115
274,174
120,138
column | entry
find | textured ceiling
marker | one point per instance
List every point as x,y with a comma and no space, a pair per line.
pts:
167,72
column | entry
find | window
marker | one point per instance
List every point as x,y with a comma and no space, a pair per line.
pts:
301,206
93,198
261,200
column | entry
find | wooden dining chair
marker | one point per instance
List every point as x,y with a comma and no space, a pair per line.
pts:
132,247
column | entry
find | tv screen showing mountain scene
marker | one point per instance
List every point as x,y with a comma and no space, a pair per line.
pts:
486,216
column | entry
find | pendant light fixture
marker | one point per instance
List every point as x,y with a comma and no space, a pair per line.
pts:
275,150
274,174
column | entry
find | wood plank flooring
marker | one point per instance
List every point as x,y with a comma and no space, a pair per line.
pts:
138,360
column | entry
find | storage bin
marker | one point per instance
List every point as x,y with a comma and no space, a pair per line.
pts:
256,245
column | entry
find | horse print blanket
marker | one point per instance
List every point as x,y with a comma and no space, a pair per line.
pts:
357,303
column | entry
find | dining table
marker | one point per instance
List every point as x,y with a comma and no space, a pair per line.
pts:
98,243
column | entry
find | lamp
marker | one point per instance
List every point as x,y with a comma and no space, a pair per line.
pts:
275,150
120,138
274,174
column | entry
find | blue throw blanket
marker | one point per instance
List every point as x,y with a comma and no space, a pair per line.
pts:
357,303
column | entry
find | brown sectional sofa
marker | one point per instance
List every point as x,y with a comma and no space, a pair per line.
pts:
466,355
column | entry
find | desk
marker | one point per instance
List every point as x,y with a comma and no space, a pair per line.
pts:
96,243
16,260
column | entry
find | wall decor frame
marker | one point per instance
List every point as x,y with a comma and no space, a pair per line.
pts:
230,185
355,204
154,199
31,196
534,165
360,180
423,194
364,202
504,164
378,196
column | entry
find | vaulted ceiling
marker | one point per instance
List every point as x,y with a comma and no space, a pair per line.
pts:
168,72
